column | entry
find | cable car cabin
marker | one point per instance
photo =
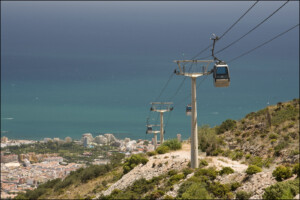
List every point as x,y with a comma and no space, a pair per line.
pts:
188,110
149,129
221,75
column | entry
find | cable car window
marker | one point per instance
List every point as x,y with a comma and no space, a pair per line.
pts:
222,73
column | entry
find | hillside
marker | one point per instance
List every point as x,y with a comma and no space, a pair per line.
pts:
256,157
271,133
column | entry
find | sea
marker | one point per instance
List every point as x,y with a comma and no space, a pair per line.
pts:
69,68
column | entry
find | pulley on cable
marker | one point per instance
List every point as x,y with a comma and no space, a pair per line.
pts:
221,70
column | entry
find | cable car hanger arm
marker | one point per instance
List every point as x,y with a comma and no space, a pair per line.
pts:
214,38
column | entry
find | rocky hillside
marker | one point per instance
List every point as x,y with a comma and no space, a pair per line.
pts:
256,157
271,133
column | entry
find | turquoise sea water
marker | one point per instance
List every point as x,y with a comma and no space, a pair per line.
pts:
65,75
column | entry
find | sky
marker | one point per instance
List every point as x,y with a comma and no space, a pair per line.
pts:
120,54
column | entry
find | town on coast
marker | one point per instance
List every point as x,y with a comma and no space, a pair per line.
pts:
27,163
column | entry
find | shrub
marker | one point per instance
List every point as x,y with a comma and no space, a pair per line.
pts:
226,170
282,190
296,169
172,172
242,195
267,162
104,183
216,152
195,191
256,160
202,163
218,189
168,197
156,194
151,153
282,173
208,140
273,136
227,125
237,155
210,173
281,145
162,149
175,178
133,161
227,153
235,185
273,141
187,171
248,155
173,144
253,169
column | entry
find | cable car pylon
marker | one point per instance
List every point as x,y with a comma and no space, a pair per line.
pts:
161,107
194,129
221,79
155,132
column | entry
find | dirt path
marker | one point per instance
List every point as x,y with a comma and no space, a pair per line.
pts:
218,161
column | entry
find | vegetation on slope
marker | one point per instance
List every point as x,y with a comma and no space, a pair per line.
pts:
262,137
282,190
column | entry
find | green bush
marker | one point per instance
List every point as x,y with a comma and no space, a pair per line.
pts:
168,197
216,152
235,185
236,155
242,195
202,163
157,194
209,142
273,136
187,171
133,161
281,173
296,169
282,190
151,153
256,160
162,149
210,173
173,144
248,155
253,169
195,191
218,189
227,125
281,145
226,170
172,172
175,178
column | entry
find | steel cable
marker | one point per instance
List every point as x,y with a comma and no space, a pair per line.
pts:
247,52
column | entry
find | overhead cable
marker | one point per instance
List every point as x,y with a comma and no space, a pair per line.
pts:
263,43
232,43
226,30
165,86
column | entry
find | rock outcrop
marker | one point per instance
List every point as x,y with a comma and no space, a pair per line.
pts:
156,166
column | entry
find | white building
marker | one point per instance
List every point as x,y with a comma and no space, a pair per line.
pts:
100,139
